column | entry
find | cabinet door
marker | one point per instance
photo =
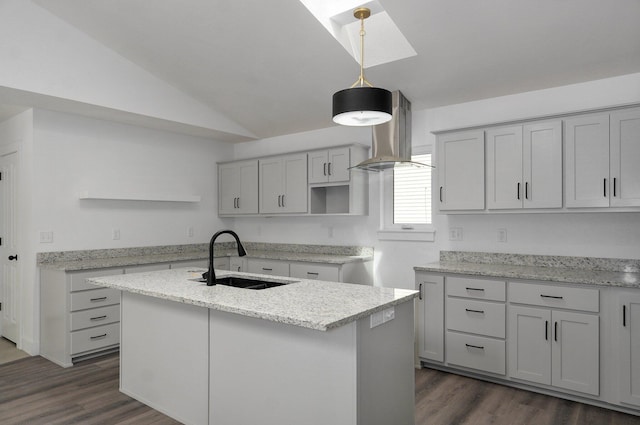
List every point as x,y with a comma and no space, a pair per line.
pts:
338,169
460,167
505,188
228,183
529,344
587,161
315,271
294,195
625,157
318,162
629,345
576,352
270,183
247,195
542,165
271,267
430,313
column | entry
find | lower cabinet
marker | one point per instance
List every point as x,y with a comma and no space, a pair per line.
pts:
270,267
430,316
360,272
628,326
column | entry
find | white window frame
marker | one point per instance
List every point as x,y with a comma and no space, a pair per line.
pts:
388,229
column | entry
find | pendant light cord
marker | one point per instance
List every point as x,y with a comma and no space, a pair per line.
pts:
361,80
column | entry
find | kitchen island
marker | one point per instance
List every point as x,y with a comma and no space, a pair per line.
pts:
309,351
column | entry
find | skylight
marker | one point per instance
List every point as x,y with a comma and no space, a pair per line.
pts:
384,42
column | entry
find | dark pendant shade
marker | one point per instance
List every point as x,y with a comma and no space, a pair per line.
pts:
360,106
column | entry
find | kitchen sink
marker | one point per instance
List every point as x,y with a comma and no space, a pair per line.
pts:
240,282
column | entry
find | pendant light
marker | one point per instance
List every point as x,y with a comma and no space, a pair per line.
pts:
362,104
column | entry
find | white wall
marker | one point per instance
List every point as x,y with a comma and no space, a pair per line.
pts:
579,234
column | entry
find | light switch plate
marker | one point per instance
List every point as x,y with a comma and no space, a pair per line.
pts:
502,235
46,237
455,233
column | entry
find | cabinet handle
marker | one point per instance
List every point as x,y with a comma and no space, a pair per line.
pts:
475,289
313,273
325,168
329,168
97,337
624,316
555,297
555,331
614,187
605,187
479,347
267,270
440,193
474,311
420,291
98,318
279,203
282,201
239,267
546,330
526,190
234,203
238,202
518,191
93,300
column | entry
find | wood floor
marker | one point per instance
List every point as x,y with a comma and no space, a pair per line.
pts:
35,391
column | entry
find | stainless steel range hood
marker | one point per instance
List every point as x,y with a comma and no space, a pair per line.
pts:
392,140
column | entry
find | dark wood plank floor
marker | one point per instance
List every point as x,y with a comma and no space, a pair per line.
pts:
35,391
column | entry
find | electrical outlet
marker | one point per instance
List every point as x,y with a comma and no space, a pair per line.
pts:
46,237
502,235
115,234
377,319
455,233
190,231
388,314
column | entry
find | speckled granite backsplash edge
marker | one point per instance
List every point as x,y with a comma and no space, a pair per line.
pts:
552,261
94,254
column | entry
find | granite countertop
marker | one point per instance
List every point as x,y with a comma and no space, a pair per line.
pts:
577,270
102,259
313,304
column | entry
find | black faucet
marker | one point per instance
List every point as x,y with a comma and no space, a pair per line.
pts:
210,275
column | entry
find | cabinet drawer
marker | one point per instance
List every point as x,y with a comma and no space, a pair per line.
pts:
476,352
95,338
476,288
315,271
96,298
583,299
77,278
478,317
271,267
95,317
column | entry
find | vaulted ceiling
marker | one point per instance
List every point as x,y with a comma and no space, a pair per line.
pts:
271,67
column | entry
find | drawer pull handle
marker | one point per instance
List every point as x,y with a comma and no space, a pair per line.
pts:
624,316
98,318
555,331
313,273
93,300
420,291
475,289
479,347
546,330
267,270
555,297
474,311
97,337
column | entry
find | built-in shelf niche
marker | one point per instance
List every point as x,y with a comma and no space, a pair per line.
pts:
329,200
155,197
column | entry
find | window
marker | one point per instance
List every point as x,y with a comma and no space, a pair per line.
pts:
406,201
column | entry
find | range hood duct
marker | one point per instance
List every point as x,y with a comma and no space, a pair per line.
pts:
392,140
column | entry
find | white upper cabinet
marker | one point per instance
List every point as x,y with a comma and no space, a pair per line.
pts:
524,166
460,165
587,161
625,157
283,184
238,187
329,166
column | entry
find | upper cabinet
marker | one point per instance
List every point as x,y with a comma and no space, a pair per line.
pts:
524,166
329,166
601,156
283,184
460,166
238,187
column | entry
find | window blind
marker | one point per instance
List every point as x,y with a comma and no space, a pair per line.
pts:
412,193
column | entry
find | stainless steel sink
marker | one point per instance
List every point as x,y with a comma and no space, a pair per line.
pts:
240,282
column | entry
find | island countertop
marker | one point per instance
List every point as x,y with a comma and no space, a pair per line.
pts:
313,304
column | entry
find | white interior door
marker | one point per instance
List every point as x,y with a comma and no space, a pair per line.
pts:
9,295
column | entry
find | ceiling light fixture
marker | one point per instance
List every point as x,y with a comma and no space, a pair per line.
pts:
362,104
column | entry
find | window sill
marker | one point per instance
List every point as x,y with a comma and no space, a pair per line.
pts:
407,235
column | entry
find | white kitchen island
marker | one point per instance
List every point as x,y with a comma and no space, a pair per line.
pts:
301,353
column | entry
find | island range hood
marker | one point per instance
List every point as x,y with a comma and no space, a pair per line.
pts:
391,143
